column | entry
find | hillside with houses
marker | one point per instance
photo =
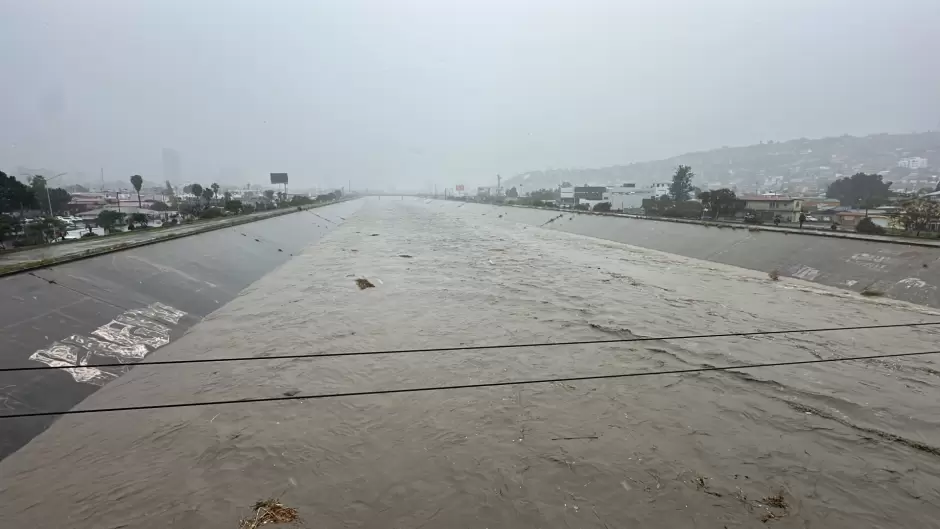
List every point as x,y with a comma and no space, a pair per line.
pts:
801,166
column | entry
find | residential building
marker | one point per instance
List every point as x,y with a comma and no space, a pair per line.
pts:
769,207
567,196
86,201
820,204
851,218
660,188
915,162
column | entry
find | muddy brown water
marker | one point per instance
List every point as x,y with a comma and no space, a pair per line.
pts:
852,444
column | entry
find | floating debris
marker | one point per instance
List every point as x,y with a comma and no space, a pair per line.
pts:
375,234
777,501
872,293
269,512
406,256
774,275
364,283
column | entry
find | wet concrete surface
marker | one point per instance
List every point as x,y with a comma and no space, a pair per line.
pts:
838,445
193,275
72,247
906,272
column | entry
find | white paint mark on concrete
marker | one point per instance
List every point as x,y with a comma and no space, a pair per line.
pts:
125,334
870,261
851,283
102,348
913,282
128,338
163,312
63,355
805,272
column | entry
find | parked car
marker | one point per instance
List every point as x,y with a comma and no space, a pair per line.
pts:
810,218
751,218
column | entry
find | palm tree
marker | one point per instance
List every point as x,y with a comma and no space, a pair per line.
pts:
215,188
137,181
196,190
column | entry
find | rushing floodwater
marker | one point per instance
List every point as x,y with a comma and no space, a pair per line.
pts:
853,444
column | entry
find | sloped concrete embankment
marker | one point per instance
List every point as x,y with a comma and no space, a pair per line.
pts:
906,272
121,306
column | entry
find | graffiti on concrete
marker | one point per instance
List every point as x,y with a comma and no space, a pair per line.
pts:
126,339
870,261
805,272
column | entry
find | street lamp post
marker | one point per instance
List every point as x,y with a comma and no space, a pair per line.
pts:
48,198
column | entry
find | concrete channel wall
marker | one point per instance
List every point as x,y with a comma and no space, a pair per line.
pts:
122,306
901,271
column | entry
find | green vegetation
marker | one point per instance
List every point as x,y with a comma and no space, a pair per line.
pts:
211,213
108,220
138,219
866,225
917,215
860,190
15,195
235,206
601,207
137,181
720,201
681,187
666,207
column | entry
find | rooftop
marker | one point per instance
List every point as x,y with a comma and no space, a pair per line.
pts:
768,199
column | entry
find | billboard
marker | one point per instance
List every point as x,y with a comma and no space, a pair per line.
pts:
278,178
459,187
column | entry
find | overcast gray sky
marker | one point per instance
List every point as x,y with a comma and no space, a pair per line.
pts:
413,92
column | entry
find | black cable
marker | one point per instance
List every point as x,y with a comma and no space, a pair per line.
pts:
474,347
77,291
463,386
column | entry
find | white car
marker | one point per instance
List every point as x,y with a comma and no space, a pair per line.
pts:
810,218
77,221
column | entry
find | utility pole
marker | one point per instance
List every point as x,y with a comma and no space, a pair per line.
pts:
102,178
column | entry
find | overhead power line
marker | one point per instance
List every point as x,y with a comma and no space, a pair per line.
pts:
426,389
473,347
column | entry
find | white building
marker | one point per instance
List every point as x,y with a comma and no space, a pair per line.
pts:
915,162
660,188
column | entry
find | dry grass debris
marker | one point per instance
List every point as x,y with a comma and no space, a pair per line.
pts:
774,275
364,283
270,511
